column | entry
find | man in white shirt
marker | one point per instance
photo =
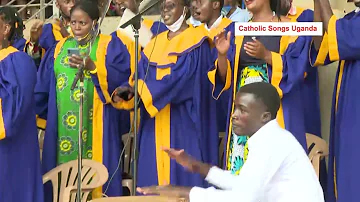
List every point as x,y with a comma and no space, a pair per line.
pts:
277,168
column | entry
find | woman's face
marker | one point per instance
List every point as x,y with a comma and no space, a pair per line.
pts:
171,10
255,5
80,23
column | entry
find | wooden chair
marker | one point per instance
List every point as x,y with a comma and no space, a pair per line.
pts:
127,180
41,134
318,149
64,179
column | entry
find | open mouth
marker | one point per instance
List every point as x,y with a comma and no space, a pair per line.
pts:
196,14
166,17
248,2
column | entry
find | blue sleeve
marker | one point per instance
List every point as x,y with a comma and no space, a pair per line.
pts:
17,81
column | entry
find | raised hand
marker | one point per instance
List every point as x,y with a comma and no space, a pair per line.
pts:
36,30
181,157
222,42
256,49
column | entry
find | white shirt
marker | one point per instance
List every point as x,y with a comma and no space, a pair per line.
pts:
277,170
240,15
216,23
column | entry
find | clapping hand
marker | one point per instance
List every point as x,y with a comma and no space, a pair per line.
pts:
256,49
222,42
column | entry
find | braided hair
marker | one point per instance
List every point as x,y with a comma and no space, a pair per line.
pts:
11,17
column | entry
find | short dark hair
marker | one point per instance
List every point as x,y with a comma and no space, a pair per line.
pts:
88,6
265,92
11,17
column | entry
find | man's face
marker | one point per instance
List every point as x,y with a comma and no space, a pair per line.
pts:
249,114
193,8
206,9
65,6
121,5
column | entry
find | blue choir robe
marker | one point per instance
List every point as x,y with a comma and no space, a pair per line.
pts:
311,83
20,44
286,74
222,102
50,35
20,169
311,96
341,43
177,109
156,28
113,68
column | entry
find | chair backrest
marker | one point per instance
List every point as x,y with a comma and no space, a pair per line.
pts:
94,174
128,145
317,148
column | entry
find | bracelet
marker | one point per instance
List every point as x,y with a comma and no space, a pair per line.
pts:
94,71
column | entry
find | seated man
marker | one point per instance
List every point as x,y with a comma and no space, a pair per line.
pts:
277,168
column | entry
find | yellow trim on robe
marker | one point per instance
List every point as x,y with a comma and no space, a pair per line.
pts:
333,45
238,44
294,18
98,105
146,97
6,52
2,125
56,30
162,72
101,53
335,181
338,87
322,52
225,22
162,139
3,54
167,50
97,136
41,123
130,45
212,77
277,74
148,23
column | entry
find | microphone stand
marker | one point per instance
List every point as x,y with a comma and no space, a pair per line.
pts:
80,77
136,24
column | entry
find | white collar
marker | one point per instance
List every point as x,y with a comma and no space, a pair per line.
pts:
357,9
215,24
265,130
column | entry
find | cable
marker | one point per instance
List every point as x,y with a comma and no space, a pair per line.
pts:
131,127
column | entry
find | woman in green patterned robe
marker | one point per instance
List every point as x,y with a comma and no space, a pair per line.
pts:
106,66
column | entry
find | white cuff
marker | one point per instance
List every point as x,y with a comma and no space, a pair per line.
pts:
198,194
213,175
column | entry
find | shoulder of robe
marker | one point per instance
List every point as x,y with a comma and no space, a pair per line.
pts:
188,40
8,52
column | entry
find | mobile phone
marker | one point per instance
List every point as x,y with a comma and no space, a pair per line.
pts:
73,51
